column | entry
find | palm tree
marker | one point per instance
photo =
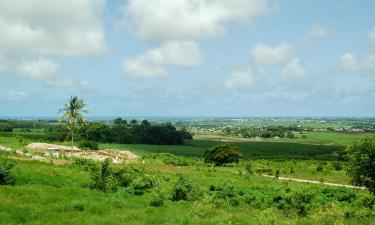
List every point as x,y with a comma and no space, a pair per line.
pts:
73,113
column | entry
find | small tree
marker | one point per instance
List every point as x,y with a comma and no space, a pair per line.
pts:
73,113
361,166
223,154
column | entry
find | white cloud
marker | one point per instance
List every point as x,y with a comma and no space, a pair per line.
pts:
188,19
267,55
350,63
51,27
61,82
40,68
242,78
371,37
16,96
155,62
318,31
3,64
293,70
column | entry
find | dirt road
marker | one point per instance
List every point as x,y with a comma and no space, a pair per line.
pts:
315,182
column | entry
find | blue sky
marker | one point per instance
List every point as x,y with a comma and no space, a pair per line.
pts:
188,57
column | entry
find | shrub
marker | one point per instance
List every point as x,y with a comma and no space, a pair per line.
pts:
183,190
277,174
319,167
157,200
6,175
102,179
176,161
223,154
337,165
249,168
292,170
143,184
78,206
290,135
88,145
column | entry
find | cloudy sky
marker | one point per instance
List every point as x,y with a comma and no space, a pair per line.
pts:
188,57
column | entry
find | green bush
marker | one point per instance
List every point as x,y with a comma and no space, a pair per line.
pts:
183,190
337,165
6,175
249,168
102,178
157,200
88,145
78,206
319,167
223,154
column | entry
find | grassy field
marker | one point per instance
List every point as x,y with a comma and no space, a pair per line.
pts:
45,193
255,150
316,137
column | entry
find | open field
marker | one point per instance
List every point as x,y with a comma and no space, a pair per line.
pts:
321,138
59,194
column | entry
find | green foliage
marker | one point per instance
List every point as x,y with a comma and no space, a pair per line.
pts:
249,168
124,133
361,166
88,145
337,165
183,190
102,178
319,167
157,200
223,154
78,206
290,135
6,175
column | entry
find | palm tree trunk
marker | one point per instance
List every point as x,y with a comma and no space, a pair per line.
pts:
72,137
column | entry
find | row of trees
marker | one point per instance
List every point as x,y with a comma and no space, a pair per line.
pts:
132,133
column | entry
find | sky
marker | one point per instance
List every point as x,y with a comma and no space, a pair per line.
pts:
188,57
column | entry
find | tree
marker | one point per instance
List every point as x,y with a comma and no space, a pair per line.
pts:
223,154
361,167
74,113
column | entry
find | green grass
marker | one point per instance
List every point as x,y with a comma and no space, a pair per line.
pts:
50,194
267,150
329,138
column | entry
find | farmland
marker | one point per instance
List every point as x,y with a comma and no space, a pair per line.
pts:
238,193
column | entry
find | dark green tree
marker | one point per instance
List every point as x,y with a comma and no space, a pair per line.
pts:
223,154
361,166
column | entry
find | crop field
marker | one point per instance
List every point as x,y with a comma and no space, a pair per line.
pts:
268,150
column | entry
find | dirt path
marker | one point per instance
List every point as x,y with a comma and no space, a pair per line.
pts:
315,182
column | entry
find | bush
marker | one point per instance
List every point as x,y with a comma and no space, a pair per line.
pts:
337,165
157,200
249,168
102,179
223,154
78,206
143,184
292,170
6,175
88,145
183,190
319,167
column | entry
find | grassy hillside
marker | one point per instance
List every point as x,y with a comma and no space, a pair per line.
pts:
60,194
